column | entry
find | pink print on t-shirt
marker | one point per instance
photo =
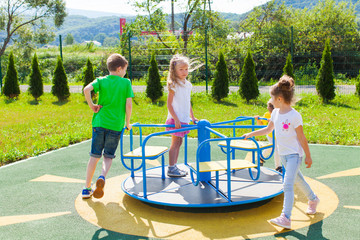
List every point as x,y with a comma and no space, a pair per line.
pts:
286,125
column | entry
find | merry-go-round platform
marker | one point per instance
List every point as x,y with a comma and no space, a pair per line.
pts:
180,192
211,182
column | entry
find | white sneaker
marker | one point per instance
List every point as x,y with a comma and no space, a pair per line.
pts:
176,172
312,206
282,221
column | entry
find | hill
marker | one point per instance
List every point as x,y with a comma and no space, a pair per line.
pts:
85,28
311,3
93,14
87,25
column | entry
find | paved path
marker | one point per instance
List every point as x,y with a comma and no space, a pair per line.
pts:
344,89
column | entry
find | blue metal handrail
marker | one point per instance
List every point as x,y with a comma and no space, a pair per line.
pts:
144,144
200,146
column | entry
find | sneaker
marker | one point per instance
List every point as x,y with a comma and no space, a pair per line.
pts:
282,221
86,193
176,172
279,169
99,190
312,206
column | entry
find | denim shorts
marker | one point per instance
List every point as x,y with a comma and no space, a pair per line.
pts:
104,142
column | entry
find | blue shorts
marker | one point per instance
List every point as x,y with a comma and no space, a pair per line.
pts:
104,142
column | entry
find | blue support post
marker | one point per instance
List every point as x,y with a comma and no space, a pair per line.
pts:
185,149
205,154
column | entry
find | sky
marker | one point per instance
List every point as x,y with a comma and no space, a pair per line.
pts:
123,7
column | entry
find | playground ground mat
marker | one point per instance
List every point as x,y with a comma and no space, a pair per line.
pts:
40,199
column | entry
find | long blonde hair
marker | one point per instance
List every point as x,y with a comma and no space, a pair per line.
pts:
177,59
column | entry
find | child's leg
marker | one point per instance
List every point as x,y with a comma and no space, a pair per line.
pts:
292,164
106,166
111,143
100,182
174,150
90,170
276,153
304,186
277,158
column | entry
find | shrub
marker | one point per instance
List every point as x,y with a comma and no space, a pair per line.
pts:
288,68
306,74
154,89
11,84
220,88
325,85
60,87
88,75
249,88
36,88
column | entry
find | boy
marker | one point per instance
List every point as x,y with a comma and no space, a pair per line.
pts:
114,104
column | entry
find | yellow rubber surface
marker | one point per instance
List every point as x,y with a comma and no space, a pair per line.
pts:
120,213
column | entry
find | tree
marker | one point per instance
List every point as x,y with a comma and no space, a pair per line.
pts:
357,92
24,14
60,87
220,88
110,41
249,88
36,82
325,85
100,38
288,68
89,75
69,39
154,20
11,85
270,28
154,89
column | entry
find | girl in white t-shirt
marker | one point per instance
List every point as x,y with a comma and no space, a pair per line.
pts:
291,143
179,108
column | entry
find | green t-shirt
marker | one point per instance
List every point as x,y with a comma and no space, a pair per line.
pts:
113,92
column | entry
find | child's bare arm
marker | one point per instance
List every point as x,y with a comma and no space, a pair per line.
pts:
128,112
87,92
263,131
304,144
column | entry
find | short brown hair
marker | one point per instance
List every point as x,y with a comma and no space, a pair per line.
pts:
115,61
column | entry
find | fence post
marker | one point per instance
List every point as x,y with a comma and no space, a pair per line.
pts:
0,78
130,68
60,48
292,45
206,61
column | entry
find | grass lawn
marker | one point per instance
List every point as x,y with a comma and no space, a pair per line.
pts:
28,128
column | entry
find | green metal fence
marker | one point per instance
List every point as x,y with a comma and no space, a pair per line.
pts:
269,56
